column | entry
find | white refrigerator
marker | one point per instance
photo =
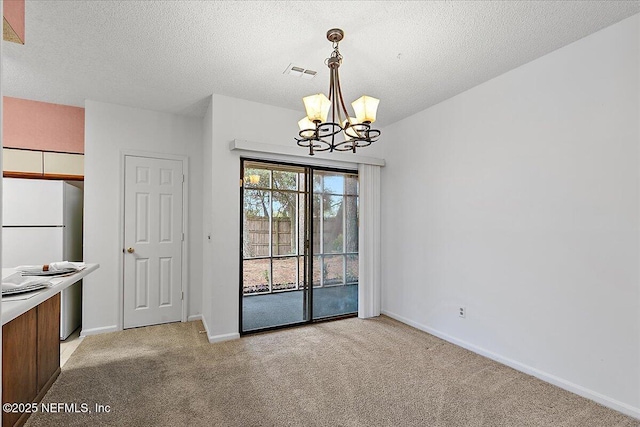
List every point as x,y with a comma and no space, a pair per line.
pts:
42,223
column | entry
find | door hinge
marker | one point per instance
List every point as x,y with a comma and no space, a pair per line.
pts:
241,182
183,295
183,237
183,178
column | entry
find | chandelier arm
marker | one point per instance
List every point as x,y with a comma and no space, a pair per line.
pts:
344,108
317,142
334,96
332,144
345,146
332,93
314,145
331,85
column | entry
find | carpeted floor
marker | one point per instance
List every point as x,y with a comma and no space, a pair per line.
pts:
284,308
352,372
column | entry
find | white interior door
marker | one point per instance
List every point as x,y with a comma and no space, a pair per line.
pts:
153,241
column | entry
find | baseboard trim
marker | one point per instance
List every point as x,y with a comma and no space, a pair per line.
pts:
206,327
544,376
194,317
95,331
218,338
224,337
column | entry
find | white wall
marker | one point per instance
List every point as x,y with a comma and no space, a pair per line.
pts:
233,118
207,217
110,129
519,199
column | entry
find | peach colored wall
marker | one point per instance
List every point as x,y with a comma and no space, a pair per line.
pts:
42,126
13,12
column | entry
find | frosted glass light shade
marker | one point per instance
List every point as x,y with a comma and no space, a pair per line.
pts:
305,124
365,108
317,107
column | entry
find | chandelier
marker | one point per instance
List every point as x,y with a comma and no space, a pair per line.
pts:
338,131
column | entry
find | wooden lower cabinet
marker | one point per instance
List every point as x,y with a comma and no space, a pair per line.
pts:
19,376
30,357
48,355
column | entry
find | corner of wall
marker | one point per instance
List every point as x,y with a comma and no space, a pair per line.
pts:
207,208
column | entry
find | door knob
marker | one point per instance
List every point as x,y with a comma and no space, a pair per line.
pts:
131,250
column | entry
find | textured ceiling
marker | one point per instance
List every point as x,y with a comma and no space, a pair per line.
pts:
170,55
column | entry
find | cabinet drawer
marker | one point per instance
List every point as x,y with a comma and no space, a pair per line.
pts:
21,161
63,164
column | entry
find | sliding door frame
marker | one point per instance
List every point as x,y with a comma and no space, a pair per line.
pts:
308,243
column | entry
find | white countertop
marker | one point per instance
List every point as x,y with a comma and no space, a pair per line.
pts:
13,309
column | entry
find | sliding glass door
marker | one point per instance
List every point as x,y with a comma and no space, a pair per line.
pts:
275,200
335,244
299,227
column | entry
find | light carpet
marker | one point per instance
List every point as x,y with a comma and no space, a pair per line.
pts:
352,372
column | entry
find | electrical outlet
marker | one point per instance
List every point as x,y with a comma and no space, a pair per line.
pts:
462,312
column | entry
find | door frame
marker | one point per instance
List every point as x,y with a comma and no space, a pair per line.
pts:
185,227
308,263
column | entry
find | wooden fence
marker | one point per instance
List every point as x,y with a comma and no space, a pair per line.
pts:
256,237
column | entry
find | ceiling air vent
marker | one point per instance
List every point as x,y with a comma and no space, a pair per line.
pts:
296,71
